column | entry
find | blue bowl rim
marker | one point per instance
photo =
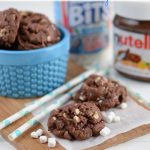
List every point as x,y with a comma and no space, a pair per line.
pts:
36,56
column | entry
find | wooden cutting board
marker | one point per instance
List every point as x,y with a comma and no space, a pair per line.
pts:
25,142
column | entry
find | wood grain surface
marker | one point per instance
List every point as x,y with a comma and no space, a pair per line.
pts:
25,142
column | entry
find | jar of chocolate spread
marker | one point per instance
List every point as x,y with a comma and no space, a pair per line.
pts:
132,39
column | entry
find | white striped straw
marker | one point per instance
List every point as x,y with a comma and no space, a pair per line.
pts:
133,93
136,95
26,110
56,103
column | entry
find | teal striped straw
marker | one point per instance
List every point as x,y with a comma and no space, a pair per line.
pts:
138,96
133,93
55,104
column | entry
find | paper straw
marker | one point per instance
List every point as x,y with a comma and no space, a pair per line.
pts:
137,95
46,98
133,93
55,104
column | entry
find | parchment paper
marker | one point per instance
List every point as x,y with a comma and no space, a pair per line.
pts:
131,117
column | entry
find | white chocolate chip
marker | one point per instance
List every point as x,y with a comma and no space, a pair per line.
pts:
76,118
96,116
43,139
64,115
53,27
54,118
39,132
34,135
81,98
43,20
51,142
116,119
13,16
77,111
123,105
100,101
2,32
97,79
49,38
105,131
23,13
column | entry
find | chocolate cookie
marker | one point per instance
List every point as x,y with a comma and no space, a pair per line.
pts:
9,24
36,31
104,92
76,121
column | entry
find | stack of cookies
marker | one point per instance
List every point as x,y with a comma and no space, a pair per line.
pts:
26,30
82,120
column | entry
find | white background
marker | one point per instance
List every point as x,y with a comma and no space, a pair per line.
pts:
47,8
42,6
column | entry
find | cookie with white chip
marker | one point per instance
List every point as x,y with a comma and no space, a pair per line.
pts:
105,93
36,31
9,25
76,121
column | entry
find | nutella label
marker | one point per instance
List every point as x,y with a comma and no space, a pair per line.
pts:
87,23
132,52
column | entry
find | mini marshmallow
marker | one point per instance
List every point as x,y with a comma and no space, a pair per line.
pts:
39,132
123,105
107,118
51,142
116,119
105,131
111,113
43,139
34,135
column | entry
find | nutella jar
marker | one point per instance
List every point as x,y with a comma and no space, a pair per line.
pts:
132,39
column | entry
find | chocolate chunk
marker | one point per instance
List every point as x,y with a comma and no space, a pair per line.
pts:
104,92
76,121
9,24
36,31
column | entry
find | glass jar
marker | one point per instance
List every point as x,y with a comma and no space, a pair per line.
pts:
132,39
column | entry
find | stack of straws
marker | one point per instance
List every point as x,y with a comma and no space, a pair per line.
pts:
60,99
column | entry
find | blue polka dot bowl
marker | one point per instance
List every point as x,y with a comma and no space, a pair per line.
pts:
35,72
